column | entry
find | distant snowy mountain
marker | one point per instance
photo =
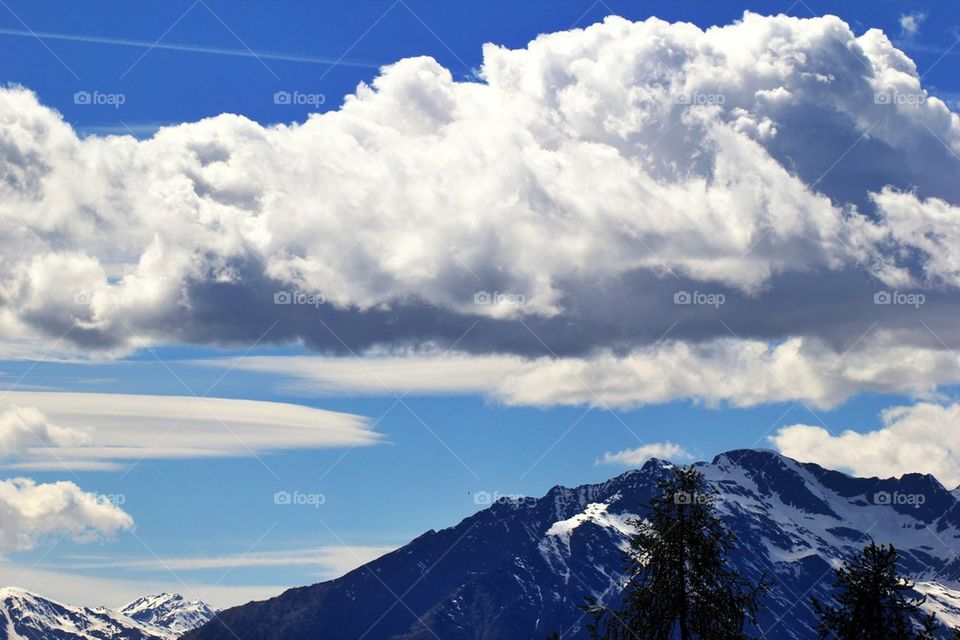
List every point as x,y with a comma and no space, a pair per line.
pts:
519,569
169,611
27,616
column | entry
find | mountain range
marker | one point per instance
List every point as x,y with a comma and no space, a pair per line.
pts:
28,616
519,568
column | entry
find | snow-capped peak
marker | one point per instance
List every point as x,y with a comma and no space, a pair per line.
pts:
170,611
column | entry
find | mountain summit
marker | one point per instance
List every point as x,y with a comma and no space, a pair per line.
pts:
169,611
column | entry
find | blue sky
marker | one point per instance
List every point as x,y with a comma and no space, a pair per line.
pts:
174,86
207,524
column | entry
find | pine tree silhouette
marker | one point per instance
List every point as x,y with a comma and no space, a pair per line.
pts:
680,584
873,602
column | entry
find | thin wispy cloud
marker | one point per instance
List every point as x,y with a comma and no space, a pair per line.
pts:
190,48
115,592
136,427
334,560
910,23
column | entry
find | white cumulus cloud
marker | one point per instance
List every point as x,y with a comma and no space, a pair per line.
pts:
590,156
539,219
922,438
31,513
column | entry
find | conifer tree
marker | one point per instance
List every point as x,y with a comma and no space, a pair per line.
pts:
873,601
679,580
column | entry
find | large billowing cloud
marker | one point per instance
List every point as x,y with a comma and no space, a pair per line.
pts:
577,202
32,513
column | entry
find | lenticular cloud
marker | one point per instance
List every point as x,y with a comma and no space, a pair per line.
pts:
594,170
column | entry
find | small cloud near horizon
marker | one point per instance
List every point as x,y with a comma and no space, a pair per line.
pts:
636,457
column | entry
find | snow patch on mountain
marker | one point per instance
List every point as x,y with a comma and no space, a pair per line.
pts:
595,512
945,602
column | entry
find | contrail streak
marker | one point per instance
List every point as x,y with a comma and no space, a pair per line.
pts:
191,48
